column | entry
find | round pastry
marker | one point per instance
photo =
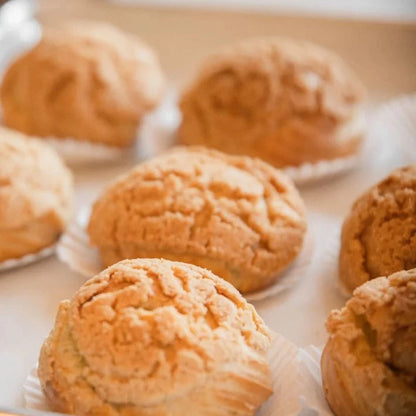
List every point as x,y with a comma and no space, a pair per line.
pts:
379,234
236,216
369,362
285,101
153,337
84,80
35,195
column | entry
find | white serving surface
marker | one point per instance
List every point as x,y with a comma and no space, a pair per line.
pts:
29,296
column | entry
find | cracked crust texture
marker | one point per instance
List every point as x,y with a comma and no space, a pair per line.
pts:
379,234
150,337
369,362
236,216
84,80
287,102
36,195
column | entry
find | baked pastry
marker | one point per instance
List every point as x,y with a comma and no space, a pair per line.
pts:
285,101
379,234
236,216
36,195
369,362
154,337
83,80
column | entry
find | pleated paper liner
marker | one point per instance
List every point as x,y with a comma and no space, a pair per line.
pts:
331,254
158,131
389,125
295,377
27,259
324,169
32,392
290,276
395,121
312,394
78,153
75,250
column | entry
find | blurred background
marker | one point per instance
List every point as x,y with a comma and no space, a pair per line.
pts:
376,37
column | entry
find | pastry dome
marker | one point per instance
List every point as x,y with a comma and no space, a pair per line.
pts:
84,80
369,362
379,234
285,101
36,195
236,216
155,337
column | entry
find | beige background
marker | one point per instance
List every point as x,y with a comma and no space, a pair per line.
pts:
383,54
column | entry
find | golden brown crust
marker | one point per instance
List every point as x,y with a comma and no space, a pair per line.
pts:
154,337
285,101
369,362
85,80
236,216
379,234
36,195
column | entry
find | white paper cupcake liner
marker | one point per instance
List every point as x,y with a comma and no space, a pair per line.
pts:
313,172
27,259
391,137
76,152
285,377
290,276
74,249
395,121
390,125
312,394
32,392
158,129
295,378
